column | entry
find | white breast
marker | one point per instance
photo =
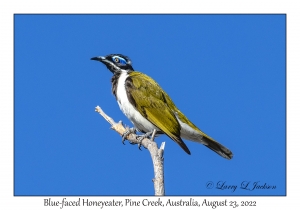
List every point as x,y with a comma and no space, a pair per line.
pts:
141,123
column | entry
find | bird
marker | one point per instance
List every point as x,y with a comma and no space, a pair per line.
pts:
150,108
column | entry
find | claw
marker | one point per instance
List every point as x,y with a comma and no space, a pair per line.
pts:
141,137
126,133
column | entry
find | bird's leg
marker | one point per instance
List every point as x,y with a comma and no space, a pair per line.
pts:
153,135
141,137
138,137
126,133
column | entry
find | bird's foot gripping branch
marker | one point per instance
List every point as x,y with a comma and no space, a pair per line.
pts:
155,152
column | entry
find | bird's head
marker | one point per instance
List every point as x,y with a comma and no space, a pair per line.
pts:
115,62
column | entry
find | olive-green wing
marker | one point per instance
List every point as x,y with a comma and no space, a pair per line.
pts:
150,100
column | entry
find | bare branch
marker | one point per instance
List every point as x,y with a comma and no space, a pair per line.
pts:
108,119
150,144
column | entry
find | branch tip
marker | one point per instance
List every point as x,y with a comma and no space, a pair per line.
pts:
162,146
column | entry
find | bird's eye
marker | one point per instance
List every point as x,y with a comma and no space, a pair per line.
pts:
119,60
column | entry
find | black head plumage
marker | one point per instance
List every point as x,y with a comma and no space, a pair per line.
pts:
115,62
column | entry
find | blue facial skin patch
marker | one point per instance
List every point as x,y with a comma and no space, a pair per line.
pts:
121,60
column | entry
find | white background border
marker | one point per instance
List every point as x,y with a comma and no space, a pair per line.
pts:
9,8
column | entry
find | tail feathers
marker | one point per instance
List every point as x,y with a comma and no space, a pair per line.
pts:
217,147
179,141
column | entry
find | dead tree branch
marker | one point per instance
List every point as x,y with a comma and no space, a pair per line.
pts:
150,144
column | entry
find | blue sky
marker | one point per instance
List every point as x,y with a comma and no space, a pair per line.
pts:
226,73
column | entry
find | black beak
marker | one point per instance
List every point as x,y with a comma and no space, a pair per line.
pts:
106,62
99,58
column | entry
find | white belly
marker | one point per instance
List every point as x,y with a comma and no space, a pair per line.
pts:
141,123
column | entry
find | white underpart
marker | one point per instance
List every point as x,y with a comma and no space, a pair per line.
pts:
141,123
189,133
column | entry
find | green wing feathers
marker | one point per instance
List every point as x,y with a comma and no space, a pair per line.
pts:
154,115
152,105
157,107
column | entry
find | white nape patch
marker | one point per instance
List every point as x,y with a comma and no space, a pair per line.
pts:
189,133
141,123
